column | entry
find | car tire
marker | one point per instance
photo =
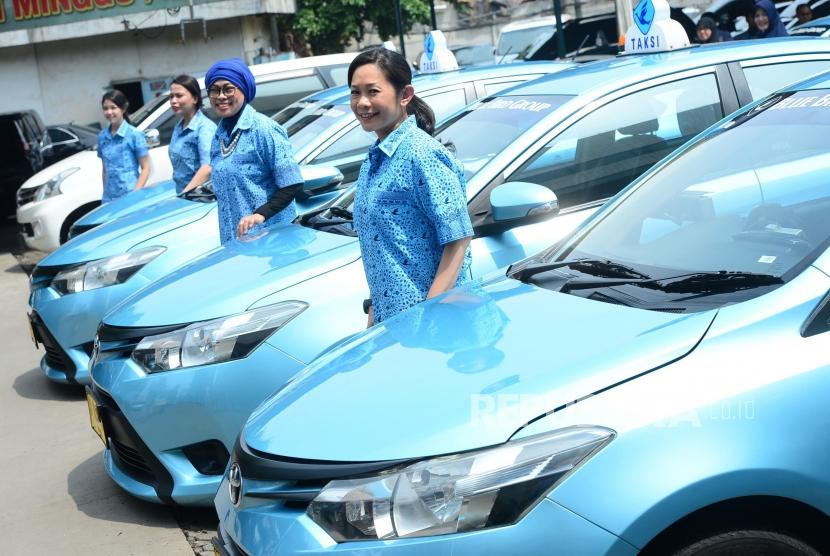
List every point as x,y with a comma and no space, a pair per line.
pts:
749,543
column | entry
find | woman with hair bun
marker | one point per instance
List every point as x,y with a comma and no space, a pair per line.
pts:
122,149
189,149
410,208
255,176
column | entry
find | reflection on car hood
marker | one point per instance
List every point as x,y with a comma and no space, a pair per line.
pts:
464,373
118,236
131,202
77,160
232,278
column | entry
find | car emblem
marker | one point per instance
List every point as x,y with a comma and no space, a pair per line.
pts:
644,15
235,483
96,351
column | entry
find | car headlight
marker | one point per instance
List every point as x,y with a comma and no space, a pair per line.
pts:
104,272
453,494
53,186
214,341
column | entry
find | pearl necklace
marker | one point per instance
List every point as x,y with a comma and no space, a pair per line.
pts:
226,150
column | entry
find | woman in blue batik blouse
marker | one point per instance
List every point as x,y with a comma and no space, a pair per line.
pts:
122,149
254,174
410,208
189,149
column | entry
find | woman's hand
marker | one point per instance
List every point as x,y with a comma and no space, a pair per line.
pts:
248,222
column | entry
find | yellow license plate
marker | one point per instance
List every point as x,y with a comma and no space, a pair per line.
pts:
94,418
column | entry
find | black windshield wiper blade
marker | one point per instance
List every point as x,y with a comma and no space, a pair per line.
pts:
337,210
598,267
720,281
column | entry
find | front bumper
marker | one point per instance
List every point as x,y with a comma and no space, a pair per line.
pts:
267,527
176,413
41,221
67,325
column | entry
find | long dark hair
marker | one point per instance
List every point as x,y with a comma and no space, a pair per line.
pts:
189,82
397,72
120,100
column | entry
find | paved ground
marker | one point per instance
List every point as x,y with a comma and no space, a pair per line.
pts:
57,499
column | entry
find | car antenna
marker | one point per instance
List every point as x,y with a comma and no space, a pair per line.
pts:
576,52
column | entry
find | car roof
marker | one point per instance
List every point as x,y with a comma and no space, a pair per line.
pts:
600,77
340,95
532,23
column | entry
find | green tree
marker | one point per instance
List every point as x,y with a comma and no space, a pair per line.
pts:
327,26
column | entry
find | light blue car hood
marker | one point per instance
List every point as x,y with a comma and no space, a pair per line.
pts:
131,202
458,374
118,236
231,278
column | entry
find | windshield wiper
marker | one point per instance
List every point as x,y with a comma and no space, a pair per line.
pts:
596,267
337,210
720,281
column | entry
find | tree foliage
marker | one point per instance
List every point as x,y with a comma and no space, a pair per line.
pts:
327,26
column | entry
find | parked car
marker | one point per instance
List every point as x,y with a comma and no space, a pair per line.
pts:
516,37
61,141
21,134
567,141
52,200
817,28
654,384
65,319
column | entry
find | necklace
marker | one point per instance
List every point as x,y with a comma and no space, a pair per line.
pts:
226,150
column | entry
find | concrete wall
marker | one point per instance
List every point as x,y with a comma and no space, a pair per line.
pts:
64,80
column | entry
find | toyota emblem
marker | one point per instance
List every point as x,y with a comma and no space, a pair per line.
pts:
235,483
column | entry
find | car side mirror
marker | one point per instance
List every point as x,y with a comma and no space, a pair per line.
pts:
320,179
516,200
153,138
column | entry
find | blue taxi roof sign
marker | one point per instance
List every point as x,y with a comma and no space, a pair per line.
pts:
654,30
437,57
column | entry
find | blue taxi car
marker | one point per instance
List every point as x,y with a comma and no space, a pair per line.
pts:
68,302
174,381
655,384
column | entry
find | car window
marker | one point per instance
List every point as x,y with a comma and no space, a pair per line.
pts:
142,113
768,78
446,103
58,135
273,96
514,42
608,148
336,74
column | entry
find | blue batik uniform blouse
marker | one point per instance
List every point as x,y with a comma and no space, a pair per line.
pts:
245,178
410,201
120,153
190,148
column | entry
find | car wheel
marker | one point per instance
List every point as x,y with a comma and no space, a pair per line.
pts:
749,543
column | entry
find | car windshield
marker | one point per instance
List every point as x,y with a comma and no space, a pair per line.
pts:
514,42
141,114
750,201
486,128
302,130
290,112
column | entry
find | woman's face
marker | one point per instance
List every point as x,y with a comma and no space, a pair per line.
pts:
374,101
225,98
704,34
112,113
181,101
761,20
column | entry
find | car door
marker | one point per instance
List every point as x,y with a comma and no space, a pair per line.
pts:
756,79
595,154
347,149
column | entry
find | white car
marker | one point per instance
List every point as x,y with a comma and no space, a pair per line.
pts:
49,202
516,37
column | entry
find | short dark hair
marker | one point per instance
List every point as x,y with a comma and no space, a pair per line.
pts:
189,82
399,74
120,100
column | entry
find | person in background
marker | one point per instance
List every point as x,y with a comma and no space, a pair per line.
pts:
708,32
804,13
768,21
189,149
410,208
751,31
122,149
255,177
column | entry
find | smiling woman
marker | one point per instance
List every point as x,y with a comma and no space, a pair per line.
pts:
255,176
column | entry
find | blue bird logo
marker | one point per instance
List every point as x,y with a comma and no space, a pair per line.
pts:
644,15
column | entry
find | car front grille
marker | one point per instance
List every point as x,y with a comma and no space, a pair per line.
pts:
131,462
26,195
56,357
27,230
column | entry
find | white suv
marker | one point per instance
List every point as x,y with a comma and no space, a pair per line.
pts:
49,202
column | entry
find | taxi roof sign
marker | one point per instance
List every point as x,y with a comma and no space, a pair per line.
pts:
436,57
654,30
